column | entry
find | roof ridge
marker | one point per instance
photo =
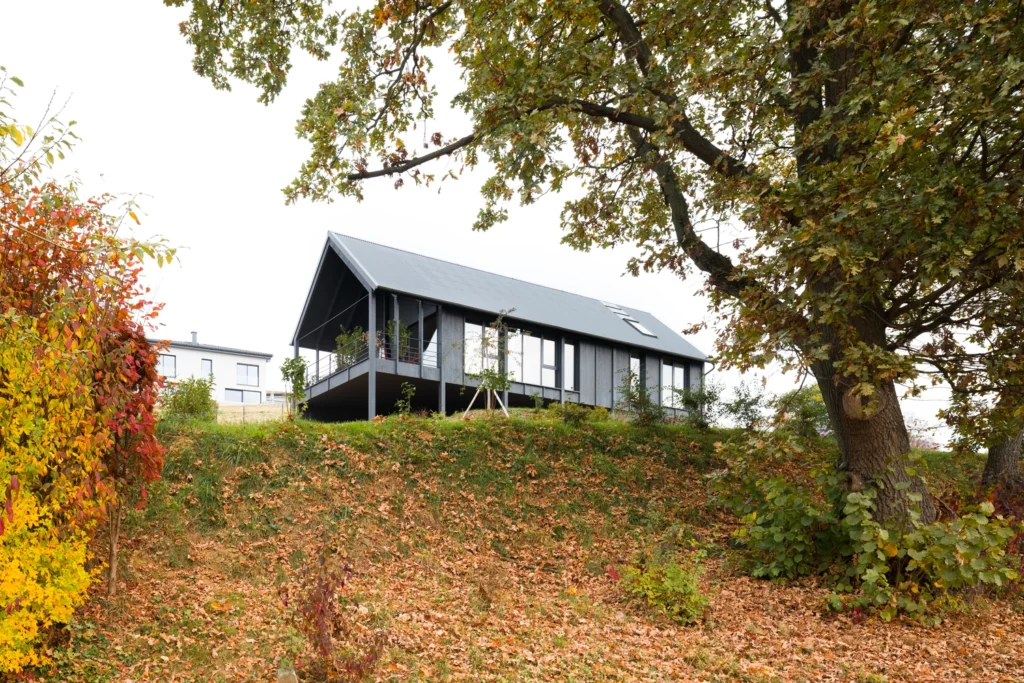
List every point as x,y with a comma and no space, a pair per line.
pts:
479,270
209,347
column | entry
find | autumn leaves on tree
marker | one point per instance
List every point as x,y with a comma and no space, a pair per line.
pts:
872,152
77,384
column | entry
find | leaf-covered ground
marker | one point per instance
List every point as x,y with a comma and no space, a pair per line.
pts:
484,550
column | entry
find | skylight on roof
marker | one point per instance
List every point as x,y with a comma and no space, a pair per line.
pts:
641,329
628,318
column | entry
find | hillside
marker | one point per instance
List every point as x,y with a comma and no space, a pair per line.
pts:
484,550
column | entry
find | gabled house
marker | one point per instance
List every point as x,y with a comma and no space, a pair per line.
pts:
238,376
404,317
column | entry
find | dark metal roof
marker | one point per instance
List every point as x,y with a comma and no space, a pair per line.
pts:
209,347
397,270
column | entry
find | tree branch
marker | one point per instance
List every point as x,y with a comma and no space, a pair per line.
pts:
408,164
719,268
681,129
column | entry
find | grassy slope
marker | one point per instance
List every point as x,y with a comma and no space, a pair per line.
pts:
482,549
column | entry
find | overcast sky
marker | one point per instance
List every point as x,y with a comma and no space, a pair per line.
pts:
211,164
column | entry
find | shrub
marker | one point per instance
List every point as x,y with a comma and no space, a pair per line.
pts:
747,406
796,528
703,405
77,384
538,401
403,406
293,372
190,399
352,346
636,402
668,582
572,414
803,411
317,613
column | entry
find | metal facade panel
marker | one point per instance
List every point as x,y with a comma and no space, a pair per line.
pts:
452,334
653,379
445,282
588,374
696,375
603,370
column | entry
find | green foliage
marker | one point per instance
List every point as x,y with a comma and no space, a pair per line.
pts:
190,399
351,347
923,568
572,414
293,372
401,338
538,401
703,405
844,137
803,411
403,406
636,402
667,581
747,406
798,528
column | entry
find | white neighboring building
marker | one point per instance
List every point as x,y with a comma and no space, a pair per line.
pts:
238,376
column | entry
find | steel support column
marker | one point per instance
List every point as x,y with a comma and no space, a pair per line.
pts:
371,347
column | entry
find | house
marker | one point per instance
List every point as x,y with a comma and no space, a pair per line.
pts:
238,376
403,317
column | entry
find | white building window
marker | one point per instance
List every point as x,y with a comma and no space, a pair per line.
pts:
240,396
248,375
206,367
167,366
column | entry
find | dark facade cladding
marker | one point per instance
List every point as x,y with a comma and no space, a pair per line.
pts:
377,317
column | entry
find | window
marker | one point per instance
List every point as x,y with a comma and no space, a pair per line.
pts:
569,368
674,380
248,375
636,370
514,346
240,396
628,318
548,363
491,351
206,368
531,360
473,348
168,366
640,328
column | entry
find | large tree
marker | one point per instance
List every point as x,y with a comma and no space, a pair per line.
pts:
871,151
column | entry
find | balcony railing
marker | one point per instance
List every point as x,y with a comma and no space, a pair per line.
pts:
356,351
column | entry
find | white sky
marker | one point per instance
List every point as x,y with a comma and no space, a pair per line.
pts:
211,165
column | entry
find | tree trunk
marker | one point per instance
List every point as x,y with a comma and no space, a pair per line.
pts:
874,449
1003,464
114,515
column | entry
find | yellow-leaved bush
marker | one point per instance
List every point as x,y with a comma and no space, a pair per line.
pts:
78,387
48,443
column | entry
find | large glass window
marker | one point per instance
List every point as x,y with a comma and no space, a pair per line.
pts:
531,360
206,367
168,366
549,363
636,371
569,368
472,348
248,375
514,356
240,396
491,350
674,380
